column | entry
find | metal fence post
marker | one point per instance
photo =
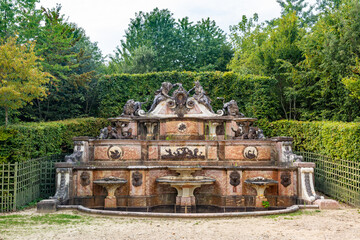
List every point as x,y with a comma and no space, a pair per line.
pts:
15,184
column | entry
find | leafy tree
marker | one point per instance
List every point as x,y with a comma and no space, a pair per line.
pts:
352,82
72,59
303,10
160,42
331,51
21,75
19,18
268,50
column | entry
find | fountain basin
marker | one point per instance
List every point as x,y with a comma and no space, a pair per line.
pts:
185,185
260,184
111,184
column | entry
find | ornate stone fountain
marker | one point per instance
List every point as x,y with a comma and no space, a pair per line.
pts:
182,155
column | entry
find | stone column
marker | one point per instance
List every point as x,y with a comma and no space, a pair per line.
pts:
150,126
212,130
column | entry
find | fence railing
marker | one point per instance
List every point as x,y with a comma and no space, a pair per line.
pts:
336,178
24,182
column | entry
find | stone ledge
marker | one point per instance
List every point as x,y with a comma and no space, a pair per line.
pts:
291,209
47,206
327,204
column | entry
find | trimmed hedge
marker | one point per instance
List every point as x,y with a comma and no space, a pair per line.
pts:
335,139
24,141
256,95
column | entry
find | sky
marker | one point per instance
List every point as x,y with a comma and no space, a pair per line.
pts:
105,21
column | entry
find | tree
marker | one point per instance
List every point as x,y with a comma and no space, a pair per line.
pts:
266,50
21,75
160,42
352,82
67,55
303,10
19,18
332,50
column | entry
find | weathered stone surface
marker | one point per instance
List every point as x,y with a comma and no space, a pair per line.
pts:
327,204
212,153
237,153
153,152
131,152
192,127
47,206
100,153
289,186
231,189
84,189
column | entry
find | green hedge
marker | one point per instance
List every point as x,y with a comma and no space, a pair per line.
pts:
256,95
30,140
335,139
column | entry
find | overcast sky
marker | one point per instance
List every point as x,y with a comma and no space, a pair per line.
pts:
105,21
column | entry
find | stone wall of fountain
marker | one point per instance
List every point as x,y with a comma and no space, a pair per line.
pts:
182,156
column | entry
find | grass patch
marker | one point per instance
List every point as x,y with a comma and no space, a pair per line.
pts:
293,214
50,219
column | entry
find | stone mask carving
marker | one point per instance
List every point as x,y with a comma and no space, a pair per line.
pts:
234,178
84,179
285,179
137,179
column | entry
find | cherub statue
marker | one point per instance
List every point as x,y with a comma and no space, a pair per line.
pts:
161,94
200,95
232,109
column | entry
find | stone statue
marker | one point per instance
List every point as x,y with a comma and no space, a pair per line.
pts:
231,108
161,94
252,133
131,108
108,133
238,132
200,96
75,156
260,134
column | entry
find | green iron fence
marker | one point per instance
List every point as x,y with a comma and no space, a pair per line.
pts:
336,178
24,182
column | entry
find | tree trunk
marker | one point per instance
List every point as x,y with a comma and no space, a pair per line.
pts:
6,117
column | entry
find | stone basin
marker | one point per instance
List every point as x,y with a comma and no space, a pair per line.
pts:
185,185
110,180
111,184
261,181
176,180
260,184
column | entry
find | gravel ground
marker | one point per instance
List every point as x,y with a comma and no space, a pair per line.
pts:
68,224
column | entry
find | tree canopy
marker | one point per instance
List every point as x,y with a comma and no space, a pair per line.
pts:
155,41
21,75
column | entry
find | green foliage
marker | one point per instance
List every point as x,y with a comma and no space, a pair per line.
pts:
155,41
265,204
8,221
314,58
335,139
255,95
266,50
19,18
31,140
74,61
21,76
331,50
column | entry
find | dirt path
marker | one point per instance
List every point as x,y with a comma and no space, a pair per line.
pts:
341,224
